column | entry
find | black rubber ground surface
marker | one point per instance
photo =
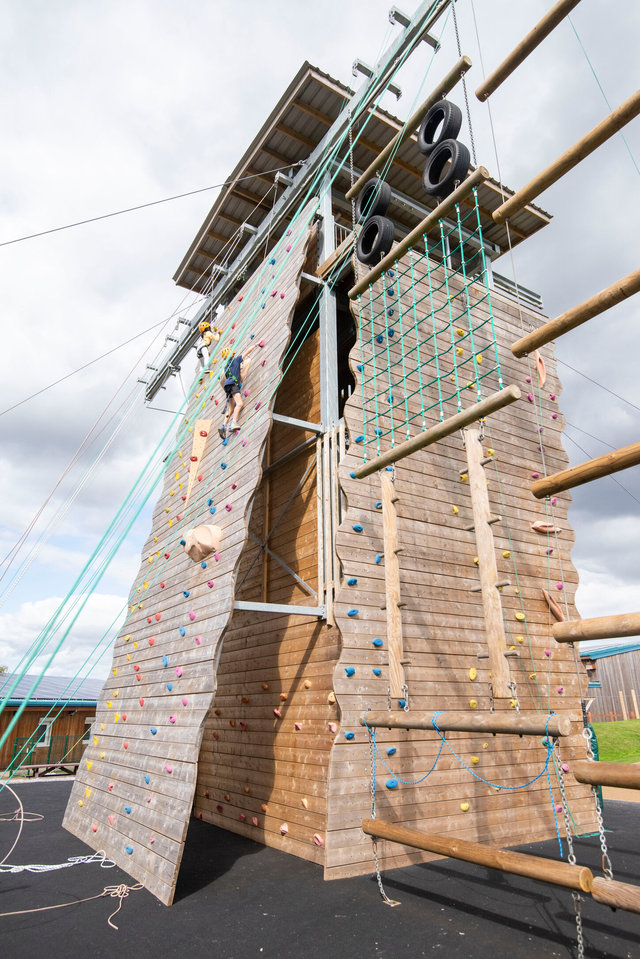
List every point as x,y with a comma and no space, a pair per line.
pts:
237,899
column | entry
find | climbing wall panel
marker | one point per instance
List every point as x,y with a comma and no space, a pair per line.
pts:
134,791
442,617
266,746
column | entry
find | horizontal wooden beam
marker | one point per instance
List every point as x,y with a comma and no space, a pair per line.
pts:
442,210
594,469
448,83
451,425
619,895
591,141
577,315
516,863
600,627
625,775
526,46
517,724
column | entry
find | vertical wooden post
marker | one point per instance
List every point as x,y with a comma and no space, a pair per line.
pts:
625,714
487,568
326,512
266,479
392,587
320,524
635,703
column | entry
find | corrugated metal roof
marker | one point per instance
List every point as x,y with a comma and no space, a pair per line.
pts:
52,689
296,125
605,651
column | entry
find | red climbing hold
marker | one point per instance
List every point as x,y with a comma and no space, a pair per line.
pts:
203,433
158,616
194,459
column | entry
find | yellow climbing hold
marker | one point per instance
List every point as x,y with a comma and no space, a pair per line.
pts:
115,672
95,740
473,673
172,492
89,764
127,638
87,792
101,755
476,560
464,806
491,452
455,510
177,476
80,802
479,358
519,639
473,704
475,760
135,645
101,725
517,591
520,617
109,704
128,657
170,522
460,332
459,350
506,553
116,717
149,559
532,675
167,509
512,647
514,703
485,745
464,477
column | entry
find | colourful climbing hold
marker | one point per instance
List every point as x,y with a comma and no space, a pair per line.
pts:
377,671
377,641
357,527
391,783
129,850
352,612
349,670
349,735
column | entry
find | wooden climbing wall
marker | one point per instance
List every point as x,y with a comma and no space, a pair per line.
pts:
134,792
267,741
442,619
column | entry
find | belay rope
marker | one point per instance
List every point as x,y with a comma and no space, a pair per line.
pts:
549,743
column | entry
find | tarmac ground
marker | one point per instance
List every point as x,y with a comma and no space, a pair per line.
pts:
237,899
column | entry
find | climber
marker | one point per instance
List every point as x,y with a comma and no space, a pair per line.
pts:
236,368
210,334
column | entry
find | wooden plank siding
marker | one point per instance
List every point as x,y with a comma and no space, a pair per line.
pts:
442,619
70,723
134,791
619,694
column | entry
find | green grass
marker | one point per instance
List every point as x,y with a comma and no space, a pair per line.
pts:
619,742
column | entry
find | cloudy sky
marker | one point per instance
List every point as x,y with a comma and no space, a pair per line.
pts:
110,104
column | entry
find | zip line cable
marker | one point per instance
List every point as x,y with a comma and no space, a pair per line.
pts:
144,206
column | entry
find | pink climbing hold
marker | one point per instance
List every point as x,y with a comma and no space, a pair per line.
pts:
216,556
275,293
288,248
262,362
552,396
172,719
284,829
192,615
151,640
535,475
297,726
560,689
547,653
94,828
141,701
565,768
527,379
282,296
246,392
216,736
276,712
152,840
228,507
218,808
254,820
258,405
178,671
243,725
559,585
242,817
333,727
210,584
244,442
234,486
530,397
110,818
197,640
318,840
169,768
554,500
262,343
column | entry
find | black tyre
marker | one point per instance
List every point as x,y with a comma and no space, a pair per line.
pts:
374,199
442,122
447,165
375,240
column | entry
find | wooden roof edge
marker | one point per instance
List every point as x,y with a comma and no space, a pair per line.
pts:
306,70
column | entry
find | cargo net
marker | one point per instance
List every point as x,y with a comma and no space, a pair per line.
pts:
426,335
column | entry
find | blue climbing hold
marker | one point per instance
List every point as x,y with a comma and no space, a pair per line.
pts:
352,474
169,686
203,565
391,291
389,469
377,641
353,612
186,593
360,367
263,290
127,809
378,431
379,504
391,783
272,261
390,400
352,581
377,671
390,312
359,438
129,850
402,703
225,441
212,510
262,306
183,542
252,336
391,331
165,661
391,273
182,631
357,527
153,730
380,338
223,466
147,779
210,502
349,735
349,670
391,750
378,558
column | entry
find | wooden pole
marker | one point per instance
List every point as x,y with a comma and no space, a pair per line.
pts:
510,723
392,588
596,304
593,469
625,775
517,863
456,73
620,895
535,37
442,210
600,627
570,158
451,425
487,568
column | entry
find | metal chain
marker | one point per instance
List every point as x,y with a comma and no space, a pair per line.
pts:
607,868
464,85
374,841
513,688
571,858
353,199
405,696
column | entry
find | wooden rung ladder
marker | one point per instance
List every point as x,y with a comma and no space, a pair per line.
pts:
393,602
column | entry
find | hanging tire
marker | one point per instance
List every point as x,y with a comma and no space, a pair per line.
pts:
374,199
444,119
375,240
438,179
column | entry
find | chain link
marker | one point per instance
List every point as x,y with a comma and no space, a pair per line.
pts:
464,85
571,858
353,199
607,868
374,841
